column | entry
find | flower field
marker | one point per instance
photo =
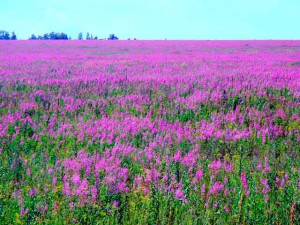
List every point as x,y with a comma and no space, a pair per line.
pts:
150,132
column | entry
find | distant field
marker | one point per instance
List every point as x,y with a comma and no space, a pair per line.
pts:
149,132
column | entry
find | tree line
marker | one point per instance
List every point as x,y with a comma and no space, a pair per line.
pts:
50,36
5,35
91,37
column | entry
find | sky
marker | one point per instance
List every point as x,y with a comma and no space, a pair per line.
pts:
154,19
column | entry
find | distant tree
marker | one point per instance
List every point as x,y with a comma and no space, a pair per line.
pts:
80,36
13,36
91,37
40,37
33,37
95,38
46,36
87,36
51,36
112,37
62,36
4,35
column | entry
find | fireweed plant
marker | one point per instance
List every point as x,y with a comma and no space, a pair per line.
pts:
150,132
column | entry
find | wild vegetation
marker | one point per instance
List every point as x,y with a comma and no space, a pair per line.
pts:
150,132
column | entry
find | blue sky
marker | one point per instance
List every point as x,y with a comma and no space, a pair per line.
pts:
155,19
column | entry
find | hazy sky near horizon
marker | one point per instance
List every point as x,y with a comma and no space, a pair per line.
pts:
155,19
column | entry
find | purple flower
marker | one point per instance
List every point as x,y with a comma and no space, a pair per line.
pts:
216,188
177,156
23,211
203,189
50,170
199,174
265,186
54,180
76,179
226,209
116,203
245,183
32,192
267,167
215,165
